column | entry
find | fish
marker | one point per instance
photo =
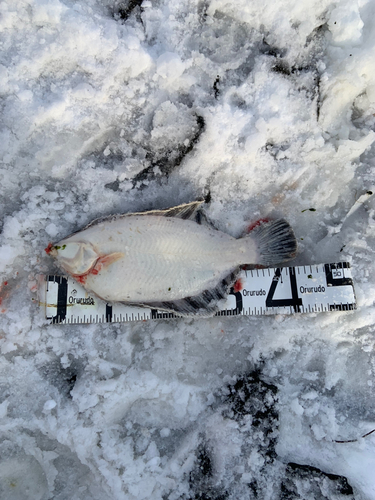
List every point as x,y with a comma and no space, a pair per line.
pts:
172,260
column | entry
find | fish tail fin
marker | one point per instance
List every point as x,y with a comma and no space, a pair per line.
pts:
275,241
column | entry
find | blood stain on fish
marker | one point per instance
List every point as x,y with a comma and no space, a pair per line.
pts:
255,224
81,279
49,248
238,286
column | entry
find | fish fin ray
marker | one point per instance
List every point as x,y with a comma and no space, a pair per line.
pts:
188,211
203,305
276,242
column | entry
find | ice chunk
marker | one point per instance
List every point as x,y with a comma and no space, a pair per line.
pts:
345,23
170,66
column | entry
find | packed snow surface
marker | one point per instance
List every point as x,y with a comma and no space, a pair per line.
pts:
112,107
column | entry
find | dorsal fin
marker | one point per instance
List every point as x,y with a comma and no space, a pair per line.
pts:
185,211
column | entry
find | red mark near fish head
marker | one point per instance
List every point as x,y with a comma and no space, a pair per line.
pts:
105,261
100,263
49,248
80,278
256,224
95,269
238,286
98,267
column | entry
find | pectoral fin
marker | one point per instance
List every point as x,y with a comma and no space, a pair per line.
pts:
105,261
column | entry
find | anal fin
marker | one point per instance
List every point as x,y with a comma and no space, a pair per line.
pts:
203,305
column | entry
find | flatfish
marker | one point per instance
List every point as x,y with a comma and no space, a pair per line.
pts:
172,260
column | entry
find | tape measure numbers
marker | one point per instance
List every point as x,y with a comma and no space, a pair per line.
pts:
287,290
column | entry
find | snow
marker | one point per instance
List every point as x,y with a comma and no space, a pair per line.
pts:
269,106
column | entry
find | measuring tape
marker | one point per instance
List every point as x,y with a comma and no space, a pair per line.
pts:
287,290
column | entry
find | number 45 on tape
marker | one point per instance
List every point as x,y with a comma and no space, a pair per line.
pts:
287,290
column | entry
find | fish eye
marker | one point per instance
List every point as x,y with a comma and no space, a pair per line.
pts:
68,250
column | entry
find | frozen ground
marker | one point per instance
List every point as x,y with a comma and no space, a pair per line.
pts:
111,106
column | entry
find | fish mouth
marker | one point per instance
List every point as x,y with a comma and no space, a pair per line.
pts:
51,250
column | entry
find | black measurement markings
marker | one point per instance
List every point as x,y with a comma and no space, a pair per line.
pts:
335,277
292,303
62,297
155,314
295,301
108,313
342,307
335,274
239,305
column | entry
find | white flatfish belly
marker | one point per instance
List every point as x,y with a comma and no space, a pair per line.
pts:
165,259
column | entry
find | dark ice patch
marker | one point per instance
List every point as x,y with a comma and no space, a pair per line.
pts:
216,87
273,51
123,10
163,166
251,403
114,186
281,68
317,484
200,478
251,395
63,379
